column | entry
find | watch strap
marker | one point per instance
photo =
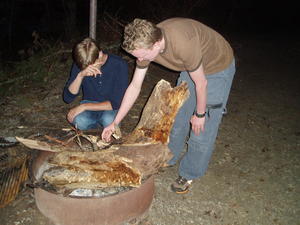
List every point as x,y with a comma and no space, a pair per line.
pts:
199,115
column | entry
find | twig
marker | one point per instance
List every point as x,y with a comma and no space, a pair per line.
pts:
79,142
77,136
14,79
58,52
112,28
113,19
55,140
112,46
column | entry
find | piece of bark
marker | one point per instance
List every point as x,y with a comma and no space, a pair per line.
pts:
41,145
51,144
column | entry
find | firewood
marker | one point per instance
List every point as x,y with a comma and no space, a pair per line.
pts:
140,154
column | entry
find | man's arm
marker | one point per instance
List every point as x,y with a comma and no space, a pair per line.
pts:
68,97
73,85
129,98
131,94
99,106
91,70
200,81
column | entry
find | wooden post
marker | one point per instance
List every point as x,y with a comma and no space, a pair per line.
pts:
93,18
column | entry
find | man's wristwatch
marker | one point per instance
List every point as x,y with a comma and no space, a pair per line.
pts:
199,115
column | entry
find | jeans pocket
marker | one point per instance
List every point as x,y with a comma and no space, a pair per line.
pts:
215,90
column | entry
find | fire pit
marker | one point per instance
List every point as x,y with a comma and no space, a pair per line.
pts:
114,209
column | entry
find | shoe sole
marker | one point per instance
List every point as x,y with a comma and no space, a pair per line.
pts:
182,192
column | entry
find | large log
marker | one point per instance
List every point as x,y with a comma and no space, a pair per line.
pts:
140,154
159,114
125,166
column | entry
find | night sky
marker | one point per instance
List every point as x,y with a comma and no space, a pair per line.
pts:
67,19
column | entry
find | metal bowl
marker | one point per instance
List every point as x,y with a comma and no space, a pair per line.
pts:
116,209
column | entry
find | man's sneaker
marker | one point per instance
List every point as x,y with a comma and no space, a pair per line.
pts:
181,185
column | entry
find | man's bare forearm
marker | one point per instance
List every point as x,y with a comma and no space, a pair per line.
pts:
131,94
200,81
75,85
100,106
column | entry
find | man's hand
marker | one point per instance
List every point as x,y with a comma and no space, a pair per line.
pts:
197,124
107,132
74,112
91,70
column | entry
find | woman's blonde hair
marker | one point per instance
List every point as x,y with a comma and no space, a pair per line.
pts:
140,34
85,53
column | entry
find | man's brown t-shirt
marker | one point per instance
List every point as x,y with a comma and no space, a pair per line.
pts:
188,44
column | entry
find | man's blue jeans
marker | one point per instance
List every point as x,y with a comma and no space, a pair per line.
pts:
199,150
94,119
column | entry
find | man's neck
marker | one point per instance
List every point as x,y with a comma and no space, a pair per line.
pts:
162,45
102,58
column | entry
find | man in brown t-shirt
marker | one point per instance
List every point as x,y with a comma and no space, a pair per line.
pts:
206,62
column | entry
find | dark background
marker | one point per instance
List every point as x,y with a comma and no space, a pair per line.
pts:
67,20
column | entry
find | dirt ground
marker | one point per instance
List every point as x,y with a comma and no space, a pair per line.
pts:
253,177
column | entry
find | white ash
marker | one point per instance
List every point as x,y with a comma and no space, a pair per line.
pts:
83,192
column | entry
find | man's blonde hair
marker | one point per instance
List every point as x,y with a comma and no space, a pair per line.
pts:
85,53
140,34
